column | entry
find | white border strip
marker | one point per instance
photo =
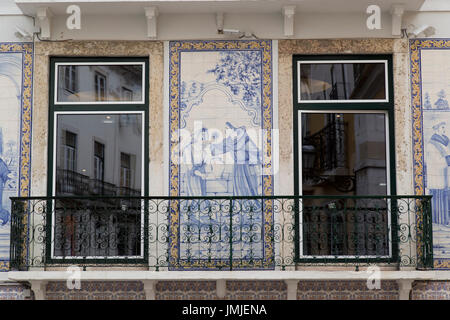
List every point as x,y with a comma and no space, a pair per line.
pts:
166,120
275,125
228,275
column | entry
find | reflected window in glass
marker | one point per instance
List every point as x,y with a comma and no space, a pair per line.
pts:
100,83
97,177
344,154
342,81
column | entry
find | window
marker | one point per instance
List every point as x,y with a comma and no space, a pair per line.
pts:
339,81
70,78
68,180
342,118
95,156
127,94
99,161
125,170
70,151
87,82
100,87
344,154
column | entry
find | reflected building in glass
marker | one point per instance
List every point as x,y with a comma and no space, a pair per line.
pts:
99,83
99,154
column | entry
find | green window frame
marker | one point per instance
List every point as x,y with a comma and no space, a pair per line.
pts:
113,107
381,106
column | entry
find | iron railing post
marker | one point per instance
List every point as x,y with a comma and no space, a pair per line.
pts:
427,234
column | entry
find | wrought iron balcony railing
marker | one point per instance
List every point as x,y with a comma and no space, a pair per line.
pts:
98,187
329,145
220,233
73,183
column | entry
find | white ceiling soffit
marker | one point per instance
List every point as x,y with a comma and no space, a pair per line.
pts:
8,7
129,7
436,5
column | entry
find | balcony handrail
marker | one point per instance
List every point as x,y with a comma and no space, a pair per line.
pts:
228,197
221,232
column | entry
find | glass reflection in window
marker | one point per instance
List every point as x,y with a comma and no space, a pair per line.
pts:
117,159
342,81
98,155
344,154
99,83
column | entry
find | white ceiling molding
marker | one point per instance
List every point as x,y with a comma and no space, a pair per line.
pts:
288,14
44,16
135,7
8,7
397,11
435,5
219,22
151,14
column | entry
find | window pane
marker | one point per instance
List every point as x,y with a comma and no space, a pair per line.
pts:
344,154
88,167
99,83
342,81
98,227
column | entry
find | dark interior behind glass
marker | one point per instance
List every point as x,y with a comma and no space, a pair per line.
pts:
342,81
89,152
344,154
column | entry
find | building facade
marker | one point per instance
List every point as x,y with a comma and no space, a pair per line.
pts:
224,150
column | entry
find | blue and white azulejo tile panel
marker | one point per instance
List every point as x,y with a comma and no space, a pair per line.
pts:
220,138
16,63
430,70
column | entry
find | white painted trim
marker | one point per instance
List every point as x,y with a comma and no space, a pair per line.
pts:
151,14
3,277
227,275
404,288
300,178
143,142
149,289
39,288
289,20
221,288
44,16
56,75
292,285
275,124
386,75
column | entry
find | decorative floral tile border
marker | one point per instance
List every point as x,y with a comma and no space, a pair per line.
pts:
175,49
416,47
26,49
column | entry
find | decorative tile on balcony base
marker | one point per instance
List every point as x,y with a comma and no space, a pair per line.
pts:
186,290
431,290
235,290
97,290
345,290
14,292
256,290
